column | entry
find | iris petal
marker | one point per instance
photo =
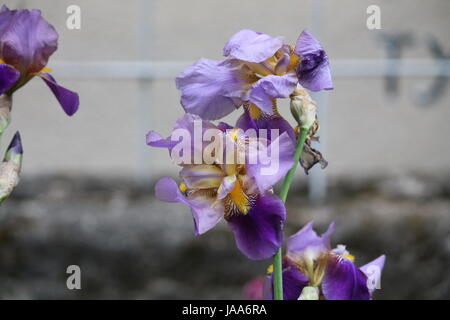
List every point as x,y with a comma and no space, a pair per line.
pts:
259,233
8,77
205,211
68,100
344,281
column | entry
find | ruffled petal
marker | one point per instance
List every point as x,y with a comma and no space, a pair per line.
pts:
8,77
68,100
270,87
211,88
251,46
313,71
259,233
307,242
274,161
26,39
205,211
344,281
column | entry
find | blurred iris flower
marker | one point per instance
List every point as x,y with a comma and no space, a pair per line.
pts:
26,43
313,270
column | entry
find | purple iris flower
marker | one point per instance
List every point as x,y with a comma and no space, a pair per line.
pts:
237,191
258,69
26,43
311,262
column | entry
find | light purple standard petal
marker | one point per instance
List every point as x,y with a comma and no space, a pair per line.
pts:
267,88
274,161
251,46
259,233
8,77
313,71
210,88
205,212
68,100
373,272
26,39
307,238
344,281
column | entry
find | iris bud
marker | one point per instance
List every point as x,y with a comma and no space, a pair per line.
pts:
303,108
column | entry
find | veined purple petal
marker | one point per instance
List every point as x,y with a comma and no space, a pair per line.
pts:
205,211
279,155
373,271
269,87
313,71
26,39
307,241
68,100
344,281
251,46
259,233
210,88
202,176
8,77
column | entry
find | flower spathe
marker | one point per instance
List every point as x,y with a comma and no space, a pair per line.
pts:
258,69
310,262
238,192
26,43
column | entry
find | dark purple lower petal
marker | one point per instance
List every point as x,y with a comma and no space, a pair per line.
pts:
344,281
8,76
293,282
68,100
259,233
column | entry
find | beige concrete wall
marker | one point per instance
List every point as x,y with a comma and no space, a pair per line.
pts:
369,132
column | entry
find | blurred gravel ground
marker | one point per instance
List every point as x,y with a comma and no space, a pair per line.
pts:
130,245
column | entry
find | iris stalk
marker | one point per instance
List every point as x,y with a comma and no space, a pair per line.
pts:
277,261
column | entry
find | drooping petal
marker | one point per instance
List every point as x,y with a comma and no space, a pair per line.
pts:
26,39
272,86
8,77
259,233
306,242
344,281
210,88
68,100
293,282
274,161
373,272
313,71
251,46
205,211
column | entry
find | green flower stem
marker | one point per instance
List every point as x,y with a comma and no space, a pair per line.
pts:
277,260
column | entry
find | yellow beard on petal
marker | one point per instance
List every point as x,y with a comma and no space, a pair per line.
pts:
46,69
237,201
255,112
